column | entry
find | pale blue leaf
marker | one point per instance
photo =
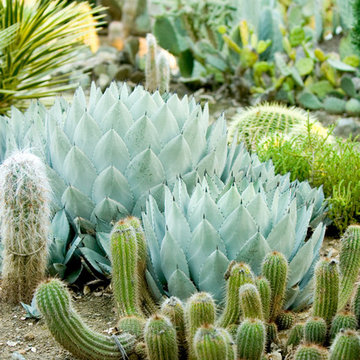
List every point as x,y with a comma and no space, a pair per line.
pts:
102,106
229,201
76,203
145,105
180,285
109,211
118,118
179,109
260,212
165,124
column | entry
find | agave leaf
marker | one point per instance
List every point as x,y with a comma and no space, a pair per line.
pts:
98,262
76,203
248,194
181,195
117,117
172,257
211,278
157,220
111,183
145,105
104,240
253,251
229,201
180,285
155,291
134,96
109,211
291,295
165,124
72,249
236,230
57,186
260,212
144,171
111,151
79,171
103,105
73,117
142,135
60,226
204,241
207,164
179,109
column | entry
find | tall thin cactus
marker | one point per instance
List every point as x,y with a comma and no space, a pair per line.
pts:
24,219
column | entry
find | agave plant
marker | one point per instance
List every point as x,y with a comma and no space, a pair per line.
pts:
48,35
193,240
104,158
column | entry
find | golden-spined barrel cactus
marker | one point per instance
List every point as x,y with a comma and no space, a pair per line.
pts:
24,225
255,123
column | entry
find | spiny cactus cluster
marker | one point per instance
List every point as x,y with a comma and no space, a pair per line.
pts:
246,327
25,223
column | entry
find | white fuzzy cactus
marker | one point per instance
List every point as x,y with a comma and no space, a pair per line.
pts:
24,224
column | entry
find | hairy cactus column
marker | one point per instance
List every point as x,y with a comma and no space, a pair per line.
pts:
54,303
151,69
24,218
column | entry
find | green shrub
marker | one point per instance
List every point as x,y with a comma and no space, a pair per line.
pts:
333,164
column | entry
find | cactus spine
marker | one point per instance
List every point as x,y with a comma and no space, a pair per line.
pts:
250,339
236,275
160,339
315,330
210,344
24,219
349,263
250,302
326,289
343,320
124,258
311,352
346,346
275,269
264,288
285,320
53,301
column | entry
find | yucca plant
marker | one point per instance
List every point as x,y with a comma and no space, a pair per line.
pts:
199,232
48,35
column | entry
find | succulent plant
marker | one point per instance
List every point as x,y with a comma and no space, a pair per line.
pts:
311,352
342,320
263,285
285,320
24,225
250,302
346,346
296,335
315,330
193,240
356,304
54,303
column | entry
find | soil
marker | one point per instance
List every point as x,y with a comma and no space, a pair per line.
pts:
29,339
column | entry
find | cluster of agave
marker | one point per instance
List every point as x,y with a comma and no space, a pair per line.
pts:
246,328
104,157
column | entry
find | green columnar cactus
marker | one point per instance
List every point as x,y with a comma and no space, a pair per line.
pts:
275,269
160,339
54,303
356,304
163,73
285,320
24,225
231,347
199,310
146,299
151,69
343,320
315,331
124,258
210,344
250,339
250,302
311,352
349,263
296,335
133,325
346,346
326,289
271,335
236,275
264,288
173,309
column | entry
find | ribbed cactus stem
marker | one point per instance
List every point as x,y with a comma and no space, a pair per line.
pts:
231,346
346,346
236,275
296,334
356,304
275,269
349,263
133,325
263,285
54,303
199,310
24,225
210,344
285,320
271,335
173,309
147,301
326,289
250,339
250,302
151,69
163,73
125,280
160,339
311,352
315,331
343,320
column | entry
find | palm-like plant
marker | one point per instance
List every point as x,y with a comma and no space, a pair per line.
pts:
36,38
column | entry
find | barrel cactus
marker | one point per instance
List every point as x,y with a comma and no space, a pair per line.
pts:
199,232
